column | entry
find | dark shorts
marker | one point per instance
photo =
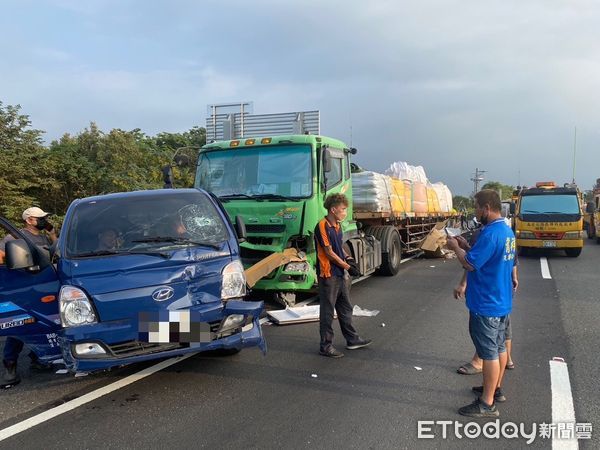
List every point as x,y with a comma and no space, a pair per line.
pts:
488,335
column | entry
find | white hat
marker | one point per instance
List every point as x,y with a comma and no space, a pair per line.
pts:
34,211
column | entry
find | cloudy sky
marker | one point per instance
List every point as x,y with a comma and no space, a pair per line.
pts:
451,85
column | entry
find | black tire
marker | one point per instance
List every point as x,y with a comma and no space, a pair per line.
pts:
597,239
523,251
391,248
573,252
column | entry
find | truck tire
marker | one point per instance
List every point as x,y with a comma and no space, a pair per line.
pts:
523,251
597,239
573,252
391,248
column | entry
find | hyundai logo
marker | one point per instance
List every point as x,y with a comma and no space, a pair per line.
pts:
162,294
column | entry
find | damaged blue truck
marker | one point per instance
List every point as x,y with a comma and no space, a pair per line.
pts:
133,277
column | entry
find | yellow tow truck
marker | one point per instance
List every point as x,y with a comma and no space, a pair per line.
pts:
549,217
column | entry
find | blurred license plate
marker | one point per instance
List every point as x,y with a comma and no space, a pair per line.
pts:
168,327
548,244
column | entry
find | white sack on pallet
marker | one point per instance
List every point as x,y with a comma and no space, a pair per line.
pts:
371,192
404,171
444,196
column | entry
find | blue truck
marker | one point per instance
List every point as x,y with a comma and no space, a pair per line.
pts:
133,277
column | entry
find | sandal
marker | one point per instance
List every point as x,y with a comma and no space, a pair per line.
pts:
468,369
510,365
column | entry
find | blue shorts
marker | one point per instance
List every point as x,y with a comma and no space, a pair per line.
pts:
488,335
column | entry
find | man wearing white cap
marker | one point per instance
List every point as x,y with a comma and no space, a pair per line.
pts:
41,233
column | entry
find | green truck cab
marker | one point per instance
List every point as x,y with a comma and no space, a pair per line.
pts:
278,185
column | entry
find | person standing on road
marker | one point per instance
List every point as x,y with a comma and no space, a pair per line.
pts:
334,268
475,366
489,293
42,234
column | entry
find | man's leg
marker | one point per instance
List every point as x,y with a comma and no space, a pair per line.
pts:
502,351
328,292
12,348
491,375
344,312
502,358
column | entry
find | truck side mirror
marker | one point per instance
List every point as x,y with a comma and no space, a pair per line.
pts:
590,208
18,255
240,229
167,172
512,208
326,161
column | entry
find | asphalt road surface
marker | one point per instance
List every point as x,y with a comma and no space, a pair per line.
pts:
372,398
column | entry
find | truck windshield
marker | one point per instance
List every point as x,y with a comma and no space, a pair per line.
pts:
549,204
144,224
278,171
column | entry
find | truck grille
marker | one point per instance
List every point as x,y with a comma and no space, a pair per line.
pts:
136,348
280,228
549,235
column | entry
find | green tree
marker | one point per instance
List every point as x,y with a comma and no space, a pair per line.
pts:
504,190
22,163
461,203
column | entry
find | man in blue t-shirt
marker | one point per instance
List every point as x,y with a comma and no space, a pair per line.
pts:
489,266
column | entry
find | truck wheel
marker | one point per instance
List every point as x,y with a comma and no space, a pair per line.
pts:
573,252
597,239
391,249
523,251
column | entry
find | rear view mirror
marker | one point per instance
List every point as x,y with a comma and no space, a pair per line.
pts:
240,229
512,208
18,255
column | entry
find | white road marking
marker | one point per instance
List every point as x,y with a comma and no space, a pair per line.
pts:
75,403
545,268
562,402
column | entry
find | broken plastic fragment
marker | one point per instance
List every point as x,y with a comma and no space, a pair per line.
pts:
418,368
383,325
81,374
61,371
314,375
358,311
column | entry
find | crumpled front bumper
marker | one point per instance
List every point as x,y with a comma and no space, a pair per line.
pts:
122,335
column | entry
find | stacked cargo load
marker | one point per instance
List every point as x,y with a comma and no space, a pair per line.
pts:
403,189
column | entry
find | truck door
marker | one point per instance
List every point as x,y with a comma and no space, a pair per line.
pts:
28,298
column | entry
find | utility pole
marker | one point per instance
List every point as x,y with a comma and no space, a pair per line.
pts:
574,154
476,179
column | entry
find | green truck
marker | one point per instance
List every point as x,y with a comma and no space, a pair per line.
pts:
277,184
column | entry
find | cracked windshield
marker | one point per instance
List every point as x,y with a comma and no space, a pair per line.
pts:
152,223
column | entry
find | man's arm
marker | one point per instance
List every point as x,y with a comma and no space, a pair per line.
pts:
333,257
515,279
454,245
459,290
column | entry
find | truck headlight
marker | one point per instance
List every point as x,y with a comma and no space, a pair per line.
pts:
75,307
234,281
297,267
525,235
573,235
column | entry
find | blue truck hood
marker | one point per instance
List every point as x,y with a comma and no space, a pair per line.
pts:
122,286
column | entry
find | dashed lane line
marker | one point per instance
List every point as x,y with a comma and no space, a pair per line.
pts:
545,268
